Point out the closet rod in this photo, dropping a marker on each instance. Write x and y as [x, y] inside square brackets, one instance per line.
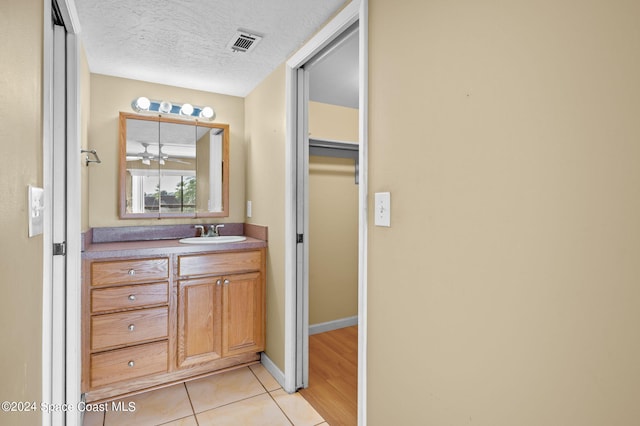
[336, 149]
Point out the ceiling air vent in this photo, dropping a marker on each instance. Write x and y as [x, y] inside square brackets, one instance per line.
[244, 41]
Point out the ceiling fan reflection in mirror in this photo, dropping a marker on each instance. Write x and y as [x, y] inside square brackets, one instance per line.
[146, 157]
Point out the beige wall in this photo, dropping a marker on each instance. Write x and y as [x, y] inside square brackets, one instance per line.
[506, 290]
[333, 239]
[265, 165]
[21, 24]
[109, 96]
[333, 219]
[333, 122]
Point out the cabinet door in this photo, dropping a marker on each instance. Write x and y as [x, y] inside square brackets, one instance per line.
[199, 321]
[243, 314]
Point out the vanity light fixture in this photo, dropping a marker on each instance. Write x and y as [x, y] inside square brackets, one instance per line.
[144, 104]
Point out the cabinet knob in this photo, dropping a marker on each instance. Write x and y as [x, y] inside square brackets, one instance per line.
[132, 327]
[226, 282]
[219, 282]
[131, 272]
[131, 363]
[132, 297]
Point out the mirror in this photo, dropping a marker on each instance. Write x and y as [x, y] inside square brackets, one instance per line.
[173, 168]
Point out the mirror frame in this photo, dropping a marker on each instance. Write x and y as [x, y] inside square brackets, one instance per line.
[122, 196]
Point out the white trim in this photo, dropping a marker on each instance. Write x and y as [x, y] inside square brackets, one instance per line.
[303, 141]
[67, 305]
[290, 329]
[355, 11]
[47, 178]
[300, 167]
[363, 191]
[333, 325]
[272, 368]
[73, 238]
[69, 15]
[58, 215]
[329, 32]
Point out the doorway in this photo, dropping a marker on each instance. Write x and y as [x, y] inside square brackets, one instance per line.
[297, 202]
[332, 119]
[61, 304]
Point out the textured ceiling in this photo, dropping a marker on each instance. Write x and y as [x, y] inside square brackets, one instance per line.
[183, 42]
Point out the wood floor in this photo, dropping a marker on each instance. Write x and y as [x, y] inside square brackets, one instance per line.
[333, 375]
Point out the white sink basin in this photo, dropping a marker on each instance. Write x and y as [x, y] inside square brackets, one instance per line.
[213, 240]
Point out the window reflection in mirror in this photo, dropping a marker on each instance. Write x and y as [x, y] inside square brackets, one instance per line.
[172, 168]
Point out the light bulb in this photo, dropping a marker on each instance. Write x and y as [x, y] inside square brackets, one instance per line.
[187, 109]
[165, 107]
[208, 113]
[141, 104]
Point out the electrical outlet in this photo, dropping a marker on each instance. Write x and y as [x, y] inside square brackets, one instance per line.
[249, 209]
[36, 210]
[382, 209]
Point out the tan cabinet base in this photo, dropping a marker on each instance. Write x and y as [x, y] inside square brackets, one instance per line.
[149, 322]
[157, 381]
[130, 363]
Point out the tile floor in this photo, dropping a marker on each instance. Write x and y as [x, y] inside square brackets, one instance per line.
[247, 396]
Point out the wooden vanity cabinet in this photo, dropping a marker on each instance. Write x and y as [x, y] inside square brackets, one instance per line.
[152, 321]
[221, 312]
[126, 321]
[199, 321]
[242, 314]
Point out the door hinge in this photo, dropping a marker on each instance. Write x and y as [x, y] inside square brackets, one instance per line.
[300, 238]
[60, 249]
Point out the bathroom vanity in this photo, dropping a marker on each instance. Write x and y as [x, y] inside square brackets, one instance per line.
[159, 311]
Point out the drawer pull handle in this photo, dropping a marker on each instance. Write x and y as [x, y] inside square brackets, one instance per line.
[131, 364]
[226, 282]
[218, 282]
[131, 272]
[132, 297]
[132, 327]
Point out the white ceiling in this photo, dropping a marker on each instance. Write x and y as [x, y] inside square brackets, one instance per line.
[183, 42]
[333, 79]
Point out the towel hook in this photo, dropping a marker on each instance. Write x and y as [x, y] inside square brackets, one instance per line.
[88, 160]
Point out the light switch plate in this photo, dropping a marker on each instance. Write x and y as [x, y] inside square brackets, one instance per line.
[249, 209]
[382, 209]
[36, 210]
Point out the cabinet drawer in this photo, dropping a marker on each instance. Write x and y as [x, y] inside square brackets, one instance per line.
[219, 263]
[132, 296]
[129, 271]
[123, 364]
[128, 327]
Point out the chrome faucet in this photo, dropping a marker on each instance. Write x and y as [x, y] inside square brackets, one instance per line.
[201, 228]
[213, 230]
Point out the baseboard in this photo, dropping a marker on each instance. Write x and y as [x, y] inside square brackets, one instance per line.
[333, 325]
[272, 368]
[313, 329]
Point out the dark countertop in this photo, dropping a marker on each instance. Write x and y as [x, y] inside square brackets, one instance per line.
[139, 241]
[163, 247]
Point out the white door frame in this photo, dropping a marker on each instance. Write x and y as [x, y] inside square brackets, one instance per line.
[357, 10]
[61, 302]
